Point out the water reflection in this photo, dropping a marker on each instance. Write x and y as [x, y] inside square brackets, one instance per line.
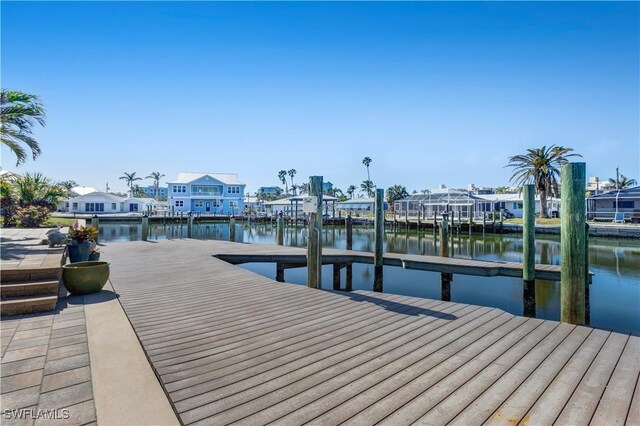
[615, 292]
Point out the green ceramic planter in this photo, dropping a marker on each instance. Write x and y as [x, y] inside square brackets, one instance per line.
[85, 277]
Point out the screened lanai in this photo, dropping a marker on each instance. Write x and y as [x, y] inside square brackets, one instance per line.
[427, 205]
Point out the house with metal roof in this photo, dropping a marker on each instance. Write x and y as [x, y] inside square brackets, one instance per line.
[621, 205]
[206, 193]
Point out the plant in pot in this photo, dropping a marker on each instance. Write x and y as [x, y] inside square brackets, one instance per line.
[82, 237]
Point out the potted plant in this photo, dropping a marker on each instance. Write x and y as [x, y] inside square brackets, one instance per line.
[94, 253]
[85, 277]
[81, 238]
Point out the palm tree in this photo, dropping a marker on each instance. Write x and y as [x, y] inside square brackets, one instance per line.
[19, 113]
[67, 185]
[368, 187]
[366, 161]
[351, 190]
[502, 190]
[156, 176]
[425, 191]
[130, 178]
[282, 175]
[38, 190]
[292, 173]
[137, 191]
[540, 166]
[303, 188]
[622, 182]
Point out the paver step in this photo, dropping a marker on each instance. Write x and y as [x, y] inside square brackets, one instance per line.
[29, 274]
[27, 305]
[29, 288]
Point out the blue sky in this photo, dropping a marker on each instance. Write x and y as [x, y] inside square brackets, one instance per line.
[432, 92]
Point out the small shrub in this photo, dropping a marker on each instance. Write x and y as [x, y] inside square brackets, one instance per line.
[83, 233]
[31, 216]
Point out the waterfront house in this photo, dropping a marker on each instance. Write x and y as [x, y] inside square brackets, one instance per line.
[95, 202]
[358, 207]
[625, 203]
[206, 193]
[514, 203]
[292, 206]
[139, 205]
[150, 191]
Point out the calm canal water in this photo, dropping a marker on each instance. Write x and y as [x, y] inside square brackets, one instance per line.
[615, 292]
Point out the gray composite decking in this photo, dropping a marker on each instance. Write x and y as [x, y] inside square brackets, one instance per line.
[231, 346]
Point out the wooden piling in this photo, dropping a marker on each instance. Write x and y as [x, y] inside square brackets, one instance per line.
[95, 222]
[529, 251]
[445, 277]
[587, 278]
[379, 239]
[573, 243]
[280, 230]
[336, 276]
[279, 272]
[349, 268]
[190, 225]
[145, 227]
[314, 245]
[232, 229]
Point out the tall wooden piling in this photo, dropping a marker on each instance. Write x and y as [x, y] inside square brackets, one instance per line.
[95, 222]
[445, 277]
[232, 229]
[279, 272]
[145, 227]
[349, 268]
[573, 243]
[336, 276]
[280, 230]
[587, 278]
[190, 225]
[379, 239]
[314, 245]
[529, 251]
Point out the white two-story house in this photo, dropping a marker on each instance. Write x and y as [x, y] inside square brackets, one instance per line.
[214, 193]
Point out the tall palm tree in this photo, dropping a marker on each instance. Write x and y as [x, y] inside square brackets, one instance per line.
[540, 166]
[292, 173]
[130, 178]
[502, 190]
[368, 187]
[19, 113]
[67, 185]
[367, 161]
[282, 175]
[622, 182]
[156, 176]
[351, 189]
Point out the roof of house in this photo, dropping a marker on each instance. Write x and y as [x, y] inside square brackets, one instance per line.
[357, 201]
[99, 194]
[509, 197]
[6, 174]
[83, 190]
[288, 201]
[226, 178]
[633, 192]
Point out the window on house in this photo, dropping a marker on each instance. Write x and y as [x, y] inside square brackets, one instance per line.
[75, 206]
[198, 204]
[215, 203]
[623, 204]
[233, 189]
[179, 203]
[94, 207]
[113, 206]
[517, 206]
[233, 204]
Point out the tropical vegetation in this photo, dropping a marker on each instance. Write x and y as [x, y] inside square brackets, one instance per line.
[622, 182]
[130, 178]
[368, 188]
[395, 193]
[541, 167]
[19, 113]
[27, 201]
[292, 173]
[156, 176]
[282, 175]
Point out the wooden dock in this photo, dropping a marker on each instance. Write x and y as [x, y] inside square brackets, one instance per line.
[231, 346]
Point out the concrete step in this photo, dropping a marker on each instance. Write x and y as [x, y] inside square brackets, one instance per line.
[29, 288]
[27, 305]
[28, 274]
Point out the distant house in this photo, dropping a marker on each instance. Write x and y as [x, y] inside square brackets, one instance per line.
[76, 191]
[9, 176]
[357, 206]
[94, 202]
[214, 193]
[327, 186]
[150, 191]
[624, 202]
[514, 204]
[292, 206]
[269, 190]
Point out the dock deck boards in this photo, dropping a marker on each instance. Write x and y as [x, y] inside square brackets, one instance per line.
[231, 346]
